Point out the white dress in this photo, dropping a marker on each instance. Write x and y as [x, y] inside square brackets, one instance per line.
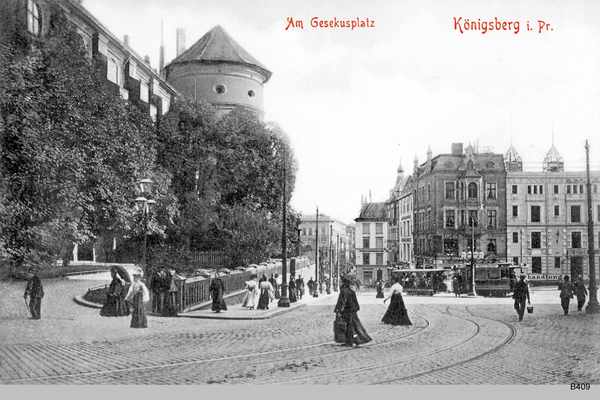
[251, 294]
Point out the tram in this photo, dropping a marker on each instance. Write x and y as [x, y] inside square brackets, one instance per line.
[496, 279]
[424, 282]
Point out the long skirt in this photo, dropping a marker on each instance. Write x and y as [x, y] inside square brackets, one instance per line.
[249, 299]
[292, 295]
[138, 314]
[170, 305]
[218, 303]
[355, 333]
[379, 293]
[396, 313]
[263, 300]
[115, 306]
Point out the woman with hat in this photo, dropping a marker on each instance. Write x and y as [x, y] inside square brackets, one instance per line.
[347, 306]
[216, 289]
[137, 295]
[250, 297]
[115, 305]
[396, 313]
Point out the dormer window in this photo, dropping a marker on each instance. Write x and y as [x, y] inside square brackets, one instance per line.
[34, 18]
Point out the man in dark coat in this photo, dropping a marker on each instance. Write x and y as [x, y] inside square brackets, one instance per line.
[35, 291]
[520, 294]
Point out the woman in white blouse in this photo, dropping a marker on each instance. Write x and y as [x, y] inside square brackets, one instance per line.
[396, 313]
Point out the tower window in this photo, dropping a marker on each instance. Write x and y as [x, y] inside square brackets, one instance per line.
[34, 19]
[251, 93]
[220, 89]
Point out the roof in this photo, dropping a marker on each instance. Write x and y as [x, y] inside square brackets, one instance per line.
[373, 212]
[216, 46]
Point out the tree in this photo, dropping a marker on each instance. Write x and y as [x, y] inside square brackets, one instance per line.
[72, 151]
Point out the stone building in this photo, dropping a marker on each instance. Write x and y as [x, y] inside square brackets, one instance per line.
[372, 243]
[219, 70]
[547, 217]
[459, 206]
[400, 220]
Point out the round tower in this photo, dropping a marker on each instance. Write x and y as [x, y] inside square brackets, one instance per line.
[220, 71]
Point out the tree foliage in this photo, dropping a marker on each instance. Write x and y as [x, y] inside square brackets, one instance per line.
[72, 151]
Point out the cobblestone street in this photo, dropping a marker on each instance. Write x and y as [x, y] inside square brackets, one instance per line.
[452, 341]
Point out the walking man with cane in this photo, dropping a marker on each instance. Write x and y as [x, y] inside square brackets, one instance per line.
[521, 293]
[35, 291]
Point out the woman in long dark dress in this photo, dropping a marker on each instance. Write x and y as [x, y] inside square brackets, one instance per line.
[347, 306]
[266, 294]
[115, 305]
[292, 289]
[379, 290]
[138, 295]
[396, 313]
[216, 289]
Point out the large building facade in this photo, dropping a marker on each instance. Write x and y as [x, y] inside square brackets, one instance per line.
[459, 206]
[547, 218]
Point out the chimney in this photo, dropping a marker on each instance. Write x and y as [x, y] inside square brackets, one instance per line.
[161, 60]
[457, 149]
[126, 40]
[180, 41]
[147, 60]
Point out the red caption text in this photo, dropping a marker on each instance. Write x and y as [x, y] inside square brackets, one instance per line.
[466, 25]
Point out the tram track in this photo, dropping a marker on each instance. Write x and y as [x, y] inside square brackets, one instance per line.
[259, 359]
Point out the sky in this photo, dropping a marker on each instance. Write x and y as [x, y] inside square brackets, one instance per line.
[358, 102]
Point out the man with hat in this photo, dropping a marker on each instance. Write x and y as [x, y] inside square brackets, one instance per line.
[520, 294]
[35, 291]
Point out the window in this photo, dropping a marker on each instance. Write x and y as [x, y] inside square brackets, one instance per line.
[575, 240]
[541, 189]
[536, 240]
[379, 228]
[515, 211]
[490, 189]
[220, 89]
[366, 259]
[472, 188]
[574, 189]
[536, 265]
[461, 190]
[379, 258]
[429, 192]
[556, 211]
[310, 231]
[461, 220]
[491, 247]
[598, 213]
[557, 262]
[449, 190]
[555, 189]
[515, 237]
[595, 190]
[34, 18]
[568, 189]
[449, 218]
[515, 189]
[379, 243]
[575, 213]
[366, 229]
[367, 275]
[365, 242]
[113, 71]
[581, 189]
[535, 214]
[473, 218]
[516, 260]
[528, 189]
[491, 216]
[251, 93]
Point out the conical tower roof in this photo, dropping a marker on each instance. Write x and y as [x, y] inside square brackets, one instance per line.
[512, 155]
[553, 155]
[216, 46]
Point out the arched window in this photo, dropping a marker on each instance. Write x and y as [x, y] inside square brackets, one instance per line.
[472, 188]
[34, 18]
[113, 71]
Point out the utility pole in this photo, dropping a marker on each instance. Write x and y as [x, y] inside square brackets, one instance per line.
[316, 284]
[593, 307]
[284, 301]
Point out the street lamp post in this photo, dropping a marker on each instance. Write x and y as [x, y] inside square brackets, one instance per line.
[316, 284]
[472, 291]
[593, 307]
[145, 206]
[284, 301]
[330, 258]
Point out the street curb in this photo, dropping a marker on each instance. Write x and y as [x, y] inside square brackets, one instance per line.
[272, 314]
[79, 300]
